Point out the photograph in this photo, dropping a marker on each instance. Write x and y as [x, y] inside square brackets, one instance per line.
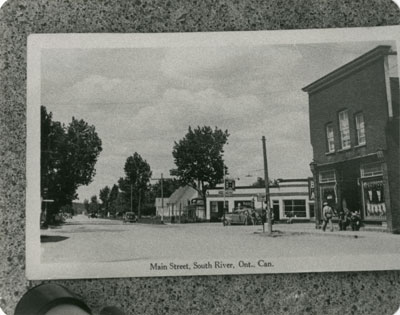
[183, 154]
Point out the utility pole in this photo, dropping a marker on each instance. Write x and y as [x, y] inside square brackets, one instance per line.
[266, 179]
[224, 192]
[162, 199]
[131, 199]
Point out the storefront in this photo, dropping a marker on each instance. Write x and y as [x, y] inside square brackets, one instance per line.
[288, 199]
[355, 185]
[373, 193]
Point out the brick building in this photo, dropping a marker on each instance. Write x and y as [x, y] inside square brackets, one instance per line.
[354, 129]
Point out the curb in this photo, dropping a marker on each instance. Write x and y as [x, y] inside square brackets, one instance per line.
[279, 233]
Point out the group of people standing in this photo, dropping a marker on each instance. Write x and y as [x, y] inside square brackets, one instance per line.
[345, 216]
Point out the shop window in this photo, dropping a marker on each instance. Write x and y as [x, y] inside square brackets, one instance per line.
[372, 169]
[374, 199]
[360, 129]
[344, 129]
[330, 138]
[243, 204]
[327, 176]
[295, 208]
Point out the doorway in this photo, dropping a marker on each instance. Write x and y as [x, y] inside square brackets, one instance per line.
[349, 188]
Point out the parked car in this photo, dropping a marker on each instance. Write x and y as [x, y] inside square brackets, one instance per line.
[130, 217]
[244, 216]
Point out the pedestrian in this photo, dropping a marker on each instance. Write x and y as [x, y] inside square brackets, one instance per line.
[355, 220]
[327, 214]
[344, 219]
[253, 217]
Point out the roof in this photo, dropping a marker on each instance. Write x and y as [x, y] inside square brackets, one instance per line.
[178, 194]
[280, 181]
[348, 68]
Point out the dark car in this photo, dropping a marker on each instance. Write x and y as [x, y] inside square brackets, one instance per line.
[130, 217]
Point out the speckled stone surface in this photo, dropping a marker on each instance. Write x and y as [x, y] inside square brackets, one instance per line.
[324, 293]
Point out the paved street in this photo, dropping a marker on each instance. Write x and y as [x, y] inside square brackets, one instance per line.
[102, 240]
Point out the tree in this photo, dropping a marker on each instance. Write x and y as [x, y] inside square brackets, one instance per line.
[68, 156]
[112, 199]
[94, 204]
[104, 196]
[169, 186]
[136, 180]
[86, 205]
[199, 158]
[260, 183]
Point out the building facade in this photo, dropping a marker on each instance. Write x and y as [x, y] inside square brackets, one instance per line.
[290, 198]
[179, 201]
[354, 129]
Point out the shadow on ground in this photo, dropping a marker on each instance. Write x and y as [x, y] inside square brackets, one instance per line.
[52, 238]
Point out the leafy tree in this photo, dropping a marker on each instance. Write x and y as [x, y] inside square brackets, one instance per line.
[169, 186]
[121, 203]
[260, 183]
[136, 181]
[199, 158]
[86, 205]
[94, 204]
[68, 156]
[104, 196]
[112, 199]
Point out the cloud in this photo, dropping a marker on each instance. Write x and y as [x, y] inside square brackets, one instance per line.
[103, 91]
[177, 109]
[233, 69]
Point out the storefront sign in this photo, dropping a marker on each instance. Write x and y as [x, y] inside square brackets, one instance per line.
[311, 188]
[229, 184]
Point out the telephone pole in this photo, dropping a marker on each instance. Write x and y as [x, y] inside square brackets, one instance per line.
[131, 199]
[162, 199]
[266, 179]
[224, 192]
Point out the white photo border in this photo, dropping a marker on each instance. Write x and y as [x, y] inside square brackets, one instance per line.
[36, 270]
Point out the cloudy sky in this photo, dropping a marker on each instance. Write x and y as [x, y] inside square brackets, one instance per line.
[143, 99]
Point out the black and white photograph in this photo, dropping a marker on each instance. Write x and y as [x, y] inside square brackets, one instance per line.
[181, 154]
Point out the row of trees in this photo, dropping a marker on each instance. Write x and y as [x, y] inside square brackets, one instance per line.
[133, 192]
[69, 154]
[199, 163]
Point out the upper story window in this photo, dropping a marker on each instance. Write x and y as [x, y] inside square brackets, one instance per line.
[330, 138]
[371, 169]
[360, 128]
[327, 176]
[344, 129]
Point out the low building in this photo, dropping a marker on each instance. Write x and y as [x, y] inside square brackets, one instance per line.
[289, 198]
[179, 201]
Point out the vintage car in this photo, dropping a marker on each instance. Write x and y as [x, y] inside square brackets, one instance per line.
[244, 216]
[130, 217]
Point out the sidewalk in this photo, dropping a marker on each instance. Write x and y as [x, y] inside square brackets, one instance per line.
[309, 228]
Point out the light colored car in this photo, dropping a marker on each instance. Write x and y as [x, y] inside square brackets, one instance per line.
[243, 216]
[237, 216]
